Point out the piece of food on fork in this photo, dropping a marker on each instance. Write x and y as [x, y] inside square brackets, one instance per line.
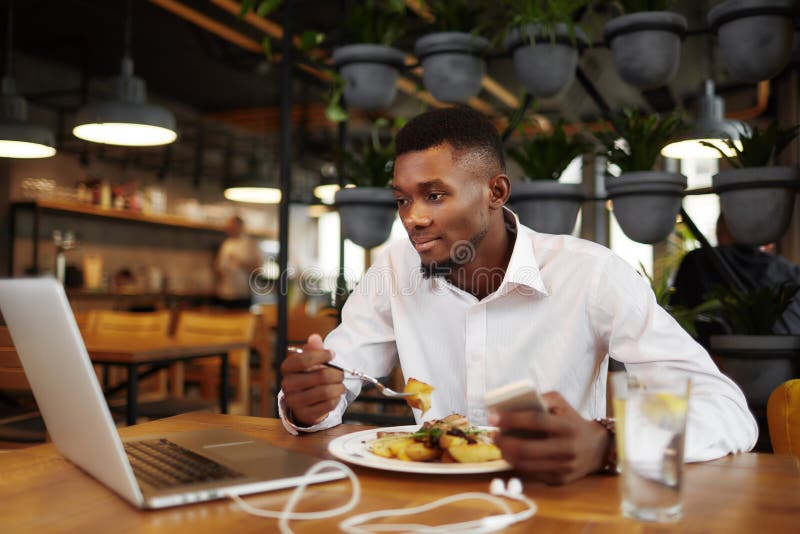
[421, 398]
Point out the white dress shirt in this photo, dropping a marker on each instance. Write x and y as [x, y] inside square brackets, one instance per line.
[564, 306]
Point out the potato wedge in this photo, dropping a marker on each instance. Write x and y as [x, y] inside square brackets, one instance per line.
[399, 445]
[422, 394]
[419, 452]
[387, 447]
[448, 440]
[469, 453]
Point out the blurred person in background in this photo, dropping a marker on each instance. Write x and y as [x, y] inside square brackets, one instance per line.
[236, 260]
[756, 266]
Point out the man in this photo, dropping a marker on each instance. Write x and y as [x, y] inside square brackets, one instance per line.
[237, 258]
[475, 301]
[698, 275]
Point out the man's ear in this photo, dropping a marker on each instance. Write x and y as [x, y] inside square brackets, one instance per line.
[499, 190]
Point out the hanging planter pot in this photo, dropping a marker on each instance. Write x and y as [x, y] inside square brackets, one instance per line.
[758, 365]
[367, 214]
[370, 74]
[646, 46]
[452, 64]
[646, 203]
[547, 67]
[547, 206]
[757, 202]
[754, 36]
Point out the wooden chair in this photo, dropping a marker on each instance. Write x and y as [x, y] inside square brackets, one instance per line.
[21, 421]
[370, 407]
[299, 327]
[222, 327]
[135, 325]
[262, 375]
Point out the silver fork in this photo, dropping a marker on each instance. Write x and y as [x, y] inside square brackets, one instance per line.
[386, 392]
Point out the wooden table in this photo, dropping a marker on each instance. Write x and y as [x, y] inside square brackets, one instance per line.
[40, 492]
[134, 353]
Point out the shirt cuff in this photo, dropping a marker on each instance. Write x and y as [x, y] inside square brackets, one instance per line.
[333, 419]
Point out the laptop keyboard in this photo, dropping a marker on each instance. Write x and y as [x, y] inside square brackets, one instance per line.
[164, 464]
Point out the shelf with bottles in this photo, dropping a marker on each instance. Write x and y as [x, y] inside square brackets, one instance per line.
[43, 207]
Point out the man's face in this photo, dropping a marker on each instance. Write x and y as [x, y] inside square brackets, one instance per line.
[443, 205]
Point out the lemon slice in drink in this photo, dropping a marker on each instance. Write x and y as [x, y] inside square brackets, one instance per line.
[665, 409]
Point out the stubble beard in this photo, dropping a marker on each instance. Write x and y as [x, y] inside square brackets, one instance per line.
[450, 265]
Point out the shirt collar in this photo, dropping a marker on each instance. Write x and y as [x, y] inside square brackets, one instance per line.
[523, 269]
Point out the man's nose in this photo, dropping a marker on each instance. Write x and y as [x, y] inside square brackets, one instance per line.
[415, 217]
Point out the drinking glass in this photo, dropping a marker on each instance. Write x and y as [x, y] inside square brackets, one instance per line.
[650, 410]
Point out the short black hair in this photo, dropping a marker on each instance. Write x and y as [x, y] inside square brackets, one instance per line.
[461, 127]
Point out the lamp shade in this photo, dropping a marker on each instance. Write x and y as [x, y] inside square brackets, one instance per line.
[710, 127]
[127, 120]
[255, 187]
[18, 138]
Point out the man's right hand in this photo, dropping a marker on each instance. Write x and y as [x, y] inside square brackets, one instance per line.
[311, 390]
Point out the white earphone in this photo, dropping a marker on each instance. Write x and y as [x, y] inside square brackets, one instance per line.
[355, 524]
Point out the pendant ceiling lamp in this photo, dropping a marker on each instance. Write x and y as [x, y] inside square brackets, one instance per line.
[255, 188]
[328, 185]
[710, 127]
[18, 138]
[128, 120]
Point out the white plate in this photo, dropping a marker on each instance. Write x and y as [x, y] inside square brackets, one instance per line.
[354, 448]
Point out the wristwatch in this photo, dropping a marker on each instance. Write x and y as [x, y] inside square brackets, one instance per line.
[610, 465]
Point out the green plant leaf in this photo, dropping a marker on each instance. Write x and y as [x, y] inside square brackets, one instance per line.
[635, 140]
[758, 147]
[375, 21]
[266, 45]
[370, 162]
[456, 15]
[754, 312]
[545, 156]
[246, 6]
[267, 6]
[309, 39]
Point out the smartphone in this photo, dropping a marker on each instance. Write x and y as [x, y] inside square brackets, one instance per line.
[520, 395]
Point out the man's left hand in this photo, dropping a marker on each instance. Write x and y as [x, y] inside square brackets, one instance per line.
[555, 447]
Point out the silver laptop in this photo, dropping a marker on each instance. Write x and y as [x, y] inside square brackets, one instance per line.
[151, 472]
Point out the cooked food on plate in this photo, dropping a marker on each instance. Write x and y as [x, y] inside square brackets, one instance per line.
[422, 394]
[448, 440]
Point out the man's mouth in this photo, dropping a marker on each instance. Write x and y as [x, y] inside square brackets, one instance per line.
[424, 244]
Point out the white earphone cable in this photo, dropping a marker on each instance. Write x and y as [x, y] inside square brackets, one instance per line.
[355, 524]
[287, 514]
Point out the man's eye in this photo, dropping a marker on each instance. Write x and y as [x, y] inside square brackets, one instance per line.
[435, 196]
[400, 201]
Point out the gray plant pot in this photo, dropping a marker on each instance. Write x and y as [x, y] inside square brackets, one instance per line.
[646, 46]
[370, 74]
[757, 202]
[547, 206]
[367, 214]
[547, 67]
[452, 64]
[754, 36]
[758, 364]
[646, 203]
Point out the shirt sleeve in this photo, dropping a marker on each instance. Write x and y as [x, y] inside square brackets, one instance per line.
[365, 340]
[642, 335]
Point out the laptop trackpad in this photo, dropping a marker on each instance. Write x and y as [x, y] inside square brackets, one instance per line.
[245, 453]
[242, 451]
